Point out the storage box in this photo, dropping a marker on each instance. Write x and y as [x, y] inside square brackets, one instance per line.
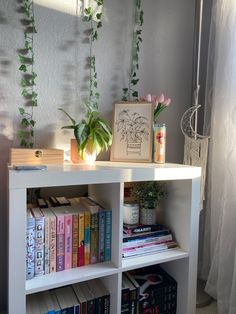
[36, 156]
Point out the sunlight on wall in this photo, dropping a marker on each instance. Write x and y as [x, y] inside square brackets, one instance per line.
[68, 6]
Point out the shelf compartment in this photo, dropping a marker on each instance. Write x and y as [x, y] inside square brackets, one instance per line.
[70, 276]
[151, 259]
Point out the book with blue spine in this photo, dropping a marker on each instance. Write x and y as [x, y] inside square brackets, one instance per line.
[101, 236]
[108, 235]
[30, 245]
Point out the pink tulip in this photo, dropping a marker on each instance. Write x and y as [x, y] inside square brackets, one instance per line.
[149, 97]
[167, 102]
[161, 98]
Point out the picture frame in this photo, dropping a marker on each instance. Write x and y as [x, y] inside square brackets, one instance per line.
[132, 132]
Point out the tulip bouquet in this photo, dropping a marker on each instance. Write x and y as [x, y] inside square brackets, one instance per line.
[159, 103]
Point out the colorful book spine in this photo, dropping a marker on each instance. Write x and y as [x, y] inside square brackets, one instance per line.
[75, 240]
[53, 244]
[108, 235]
[47, 246]
[30, 245]
[101, 236]
[68, 240]
[39, 241]
[81, 239]
[136, 229]
[127, 238]
[87, 219]
[155, 240]
[60, 243]
[94, 239]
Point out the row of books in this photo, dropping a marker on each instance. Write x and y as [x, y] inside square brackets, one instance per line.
[82, 298]
[143, 239]
[66, 236]
[148, 290]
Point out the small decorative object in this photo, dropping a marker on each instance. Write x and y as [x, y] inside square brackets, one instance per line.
[132, 132]
[93, 135]
[131, 213]
[196, 145]
[148, 194]
[159, 143]
[159, 104]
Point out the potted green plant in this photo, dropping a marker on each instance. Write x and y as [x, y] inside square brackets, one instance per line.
[149, 195]
[93, 134]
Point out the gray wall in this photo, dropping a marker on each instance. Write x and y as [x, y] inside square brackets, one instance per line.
[165, 66]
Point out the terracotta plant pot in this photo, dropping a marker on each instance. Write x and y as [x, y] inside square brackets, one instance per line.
[89, 158]
[74, 156]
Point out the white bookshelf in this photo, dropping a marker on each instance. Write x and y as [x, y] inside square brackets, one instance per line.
[105, 182]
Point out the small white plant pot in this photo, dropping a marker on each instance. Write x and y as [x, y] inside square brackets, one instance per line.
[148, 216]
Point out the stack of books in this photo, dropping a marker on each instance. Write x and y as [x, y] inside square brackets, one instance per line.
[144, 239]
[148, 290]
[90, 297]
[60, 236]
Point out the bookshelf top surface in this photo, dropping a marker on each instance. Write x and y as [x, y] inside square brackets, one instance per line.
[101, 172]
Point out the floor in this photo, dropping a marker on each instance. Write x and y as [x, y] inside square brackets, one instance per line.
[210, 309]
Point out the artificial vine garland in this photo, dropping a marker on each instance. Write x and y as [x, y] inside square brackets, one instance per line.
[27, 124]
[131, 91]
[91, 15]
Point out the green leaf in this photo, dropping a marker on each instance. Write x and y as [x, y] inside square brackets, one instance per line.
[21, 133]
[22, 111]
[24, 83]
[88, 11]
[25, 122]
[68, 127]
[23, 68]
[134, 82]
[72, 120]
[24, 92]
[135, 94]
[99, 24]
[125, 90]
[99, 16]
[23, 143]
[34, 95]
[32, 122]
[81, 132]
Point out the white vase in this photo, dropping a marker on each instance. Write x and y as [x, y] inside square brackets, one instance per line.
[148, 216]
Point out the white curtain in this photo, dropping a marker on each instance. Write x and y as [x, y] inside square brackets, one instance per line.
[219, 257]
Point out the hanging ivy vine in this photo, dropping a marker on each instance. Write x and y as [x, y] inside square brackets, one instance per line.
[130, 92]
[95, 19]
[26, 58]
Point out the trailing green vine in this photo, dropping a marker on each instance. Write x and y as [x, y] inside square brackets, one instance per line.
[26, 58]
[130, 92]
[91, 16]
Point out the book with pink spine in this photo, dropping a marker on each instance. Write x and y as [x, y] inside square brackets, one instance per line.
[68, 239]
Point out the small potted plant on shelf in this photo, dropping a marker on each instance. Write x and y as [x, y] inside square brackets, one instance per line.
[149, 195]
[93, 135]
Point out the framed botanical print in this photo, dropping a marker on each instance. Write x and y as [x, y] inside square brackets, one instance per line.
[132, 132]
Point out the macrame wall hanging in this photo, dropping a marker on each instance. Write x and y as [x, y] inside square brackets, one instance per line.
[196, 145]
